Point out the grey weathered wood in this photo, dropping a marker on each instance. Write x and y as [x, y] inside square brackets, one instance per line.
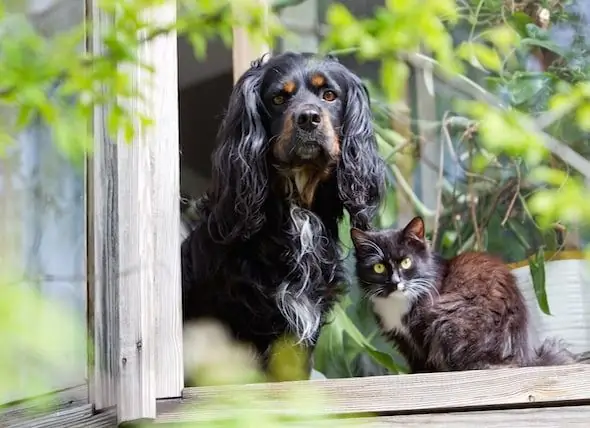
[409, 393]
[170, 412]
[136, 287]
[103, 246]
[165, 184]
[70, 398]
[550, 417]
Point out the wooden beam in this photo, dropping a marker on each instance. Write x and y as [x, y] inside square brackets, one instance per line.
[136, 313]
[136, 398]
[419, 393]
[19, 413]
[244, 51]
[102, 246]
[165, 185]
[548, 417]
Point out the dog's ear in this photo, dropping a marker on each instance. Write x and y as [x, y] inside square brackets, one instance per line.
[361, 171]
[239, 171]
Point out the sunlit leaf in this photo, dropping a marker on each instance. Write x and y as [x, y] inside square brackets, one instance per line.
[537, 270]
[583, 117]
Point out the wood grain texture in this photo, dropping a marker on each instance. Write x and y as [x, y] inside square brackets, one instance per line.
[165, 154]
[103, 246]
[136, 235]
[244, 51]
[44, 406]
[409, 393]
[135, 250]
[549, 417]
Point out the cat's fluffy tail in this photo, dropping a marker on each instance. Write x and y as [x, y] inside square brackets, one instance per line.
[552, 352]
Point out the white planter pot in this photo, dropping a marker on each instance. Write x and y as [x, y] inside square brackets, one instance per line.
[567, 283]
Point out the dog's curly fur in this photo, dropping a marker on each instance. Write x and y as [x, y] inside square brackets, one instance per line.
[295, 149]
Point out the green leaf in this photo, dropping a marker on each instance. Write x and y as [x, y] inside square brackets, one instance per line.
[344, 235]
[519, 21]
[344, 325]
[523, 88]
[394, 75]
[542, 44]
[583, 117]
[537, 269]
[388, 212]
[536, 32]
[475, 53]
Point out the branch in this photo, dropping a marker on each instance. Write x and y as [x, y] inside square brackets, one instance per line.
[469, 87]
[477, 92]
[276, 7]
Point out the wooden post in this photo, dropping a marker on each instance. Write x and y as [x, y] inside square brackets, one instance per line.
[136, 319]
[103, 247]
[244, 51]
[430, 141]
[165, 185]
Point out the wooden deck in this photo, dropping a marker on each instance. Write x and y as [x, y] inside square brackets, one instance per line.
[527, 397]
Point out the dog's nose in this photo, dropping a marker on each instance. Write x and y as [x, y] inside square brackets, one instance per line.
[308, 118]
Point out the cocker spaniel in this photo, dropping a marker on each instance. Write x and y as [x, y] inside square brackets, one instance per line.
[295, 149]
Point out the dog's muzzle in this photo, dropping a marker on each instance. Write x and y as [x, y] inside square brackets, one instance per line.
[309, 138]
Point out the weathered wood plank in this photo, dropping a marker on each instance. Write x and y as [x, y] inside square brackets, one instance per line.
[409, 393]
[548, 417]
[42, 406]
[136, 292]
[103, 245]
[168, 413]
[165, 184]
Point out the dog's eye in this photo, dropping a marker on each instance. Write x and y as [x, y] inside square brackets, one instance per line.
[278, 100]
[329, 96]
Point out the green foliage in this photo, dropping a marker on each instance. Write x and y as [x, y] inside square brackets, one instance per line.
[401, 26]
[52, 79]
[520, 146]
[516, 143]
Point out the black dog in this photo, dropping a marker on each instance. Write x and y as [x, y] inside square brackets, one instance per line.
[295, 148]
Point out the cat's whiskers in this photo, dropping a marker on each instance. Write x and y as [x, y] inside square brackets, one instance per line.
[420, 286]
[375, 290]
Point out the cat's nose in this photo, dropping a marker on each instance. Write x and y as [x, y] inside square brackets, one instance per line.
[395, 278]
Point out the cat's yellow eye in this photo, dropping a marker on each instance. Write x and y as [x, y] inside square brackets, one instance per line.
[406, 263]
[379, 268]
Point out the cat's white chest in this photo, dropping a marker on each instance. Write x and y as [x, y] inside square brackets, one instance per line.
[391, 310]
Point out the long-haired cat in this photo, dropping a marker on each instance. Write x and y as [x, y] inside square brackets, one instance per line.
[465, 313]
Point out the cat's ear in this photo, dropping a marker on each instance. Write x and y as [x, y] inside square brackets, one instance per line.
[357, 236]
[415, 228]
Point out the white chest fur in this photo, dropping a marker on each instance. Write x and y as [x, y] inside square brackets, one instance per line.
[391, 310]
